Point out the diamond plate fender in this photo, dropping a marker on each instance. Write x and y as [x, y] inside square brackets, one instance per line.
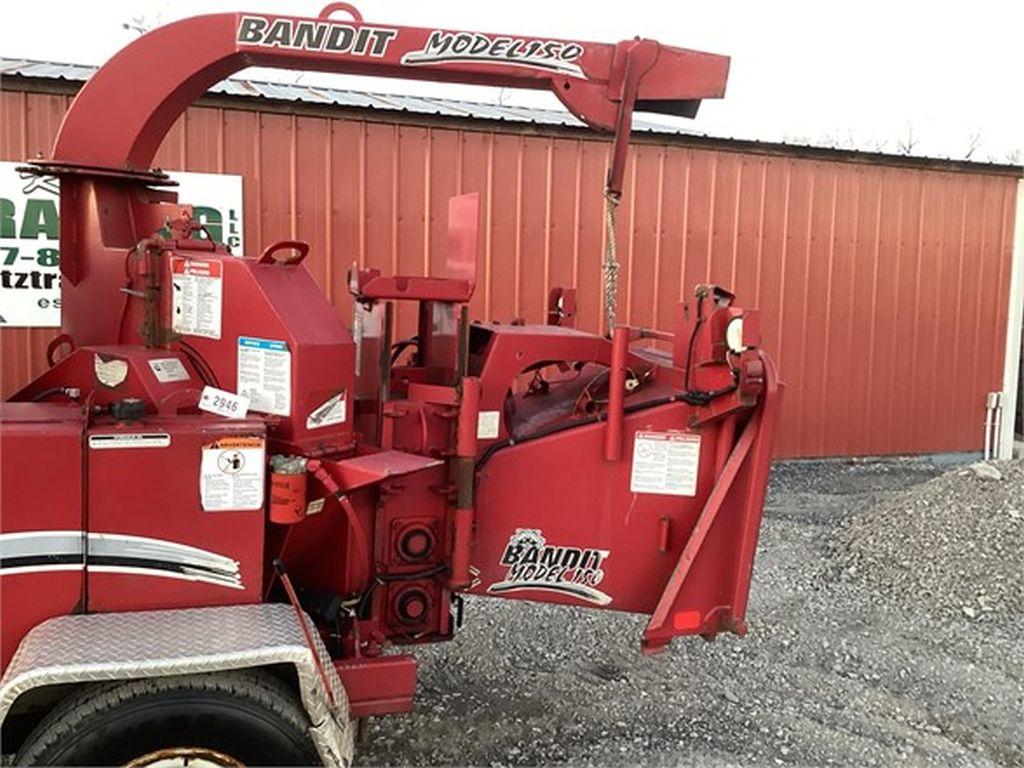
[121, 646]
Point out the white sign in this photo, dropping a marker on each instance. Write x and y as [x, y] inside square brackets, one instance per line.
[666, 463]
[30, 236]
[223, 403]
[231, 474]
[168, 370]
[197, 296]
[130, 440]
[216, 201]
[265, 375]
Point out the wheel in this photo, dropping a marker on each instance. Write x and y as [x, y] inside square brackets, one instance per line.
[222, 719]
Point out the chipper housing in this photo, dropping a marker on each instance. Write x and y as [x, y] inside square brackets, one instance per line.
[210, 435]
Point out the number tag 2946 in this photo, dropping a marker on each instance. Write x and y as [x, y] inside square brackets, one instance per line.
[223, 403]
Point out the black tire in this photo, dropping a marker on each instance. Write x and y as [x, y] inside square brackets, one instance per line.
[248, 717]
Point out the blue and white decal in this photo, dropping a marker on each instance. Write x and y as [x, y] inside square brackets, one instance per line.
[265, 375]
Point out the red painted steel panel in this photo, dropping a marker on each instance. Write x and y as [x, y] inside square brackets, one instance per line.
[312, 209]
[669, 243]
[203, 141]
[419, 248]
[531, 299]
[641, 225]
[276, 176]
[474, 177]
[502, 266]
[347, 227]
[241, 157]
[882, 288]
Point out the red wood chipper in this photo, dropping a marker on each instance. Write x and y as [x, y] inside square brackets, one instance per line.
[223, 509]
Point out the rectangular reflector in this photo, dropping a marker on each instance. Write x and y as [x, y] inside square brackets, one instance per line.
[684, 620]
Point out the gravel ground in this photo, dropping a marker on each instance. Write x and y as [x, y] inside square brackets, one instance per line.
[842, 666]
[958, 547]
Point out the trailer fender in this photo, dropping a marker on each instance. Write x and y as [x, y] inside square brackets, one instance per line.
[91, 648]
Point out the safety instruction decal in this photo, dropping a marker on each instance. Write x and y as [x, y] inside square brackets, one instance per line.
[197, 290]
[168, 370]
[332, 411]
[231, 474]
[488, 425]
[265, 375]
[666, 463]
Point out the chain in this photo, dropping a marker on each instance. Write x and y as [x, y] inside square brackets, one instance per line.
[610, 267]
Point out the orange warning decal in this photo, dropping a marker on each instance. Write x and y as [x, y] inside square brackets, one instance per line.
[237, 442]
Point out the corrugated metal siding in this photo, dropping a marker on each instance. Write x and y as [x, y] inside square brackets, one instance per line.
[340, 97]
[883, 289]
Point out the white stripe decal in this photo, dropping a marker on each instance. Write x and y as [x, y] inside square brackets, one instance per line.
[153, 557]
[187, 575]
[123, 545]
[40, 568]
[29, 543]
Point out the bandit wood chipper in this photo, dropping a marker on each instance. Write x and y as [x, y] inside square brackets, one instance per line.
[225, 512]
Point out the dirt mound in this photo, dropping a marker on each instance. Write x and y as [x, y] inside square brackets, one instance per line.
[953, 545]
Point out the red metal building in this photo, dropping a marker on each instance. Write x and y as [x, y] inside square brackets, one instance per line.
[885, 281]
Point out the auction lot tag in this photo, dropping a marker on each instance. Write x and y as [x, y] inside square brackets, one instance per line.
[223, 403]
[665, 462]
[231, 474]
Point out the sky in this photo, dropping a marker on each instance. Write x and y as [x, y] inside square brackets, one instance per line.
[943, 79]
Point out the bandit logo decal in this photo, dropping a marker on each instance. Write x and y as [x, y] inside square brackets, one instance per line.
[461, 47]
[308, 35]
[534, 564]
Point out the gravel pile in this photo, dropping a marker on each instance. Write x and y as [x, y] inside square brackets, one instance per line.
[953, 545]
